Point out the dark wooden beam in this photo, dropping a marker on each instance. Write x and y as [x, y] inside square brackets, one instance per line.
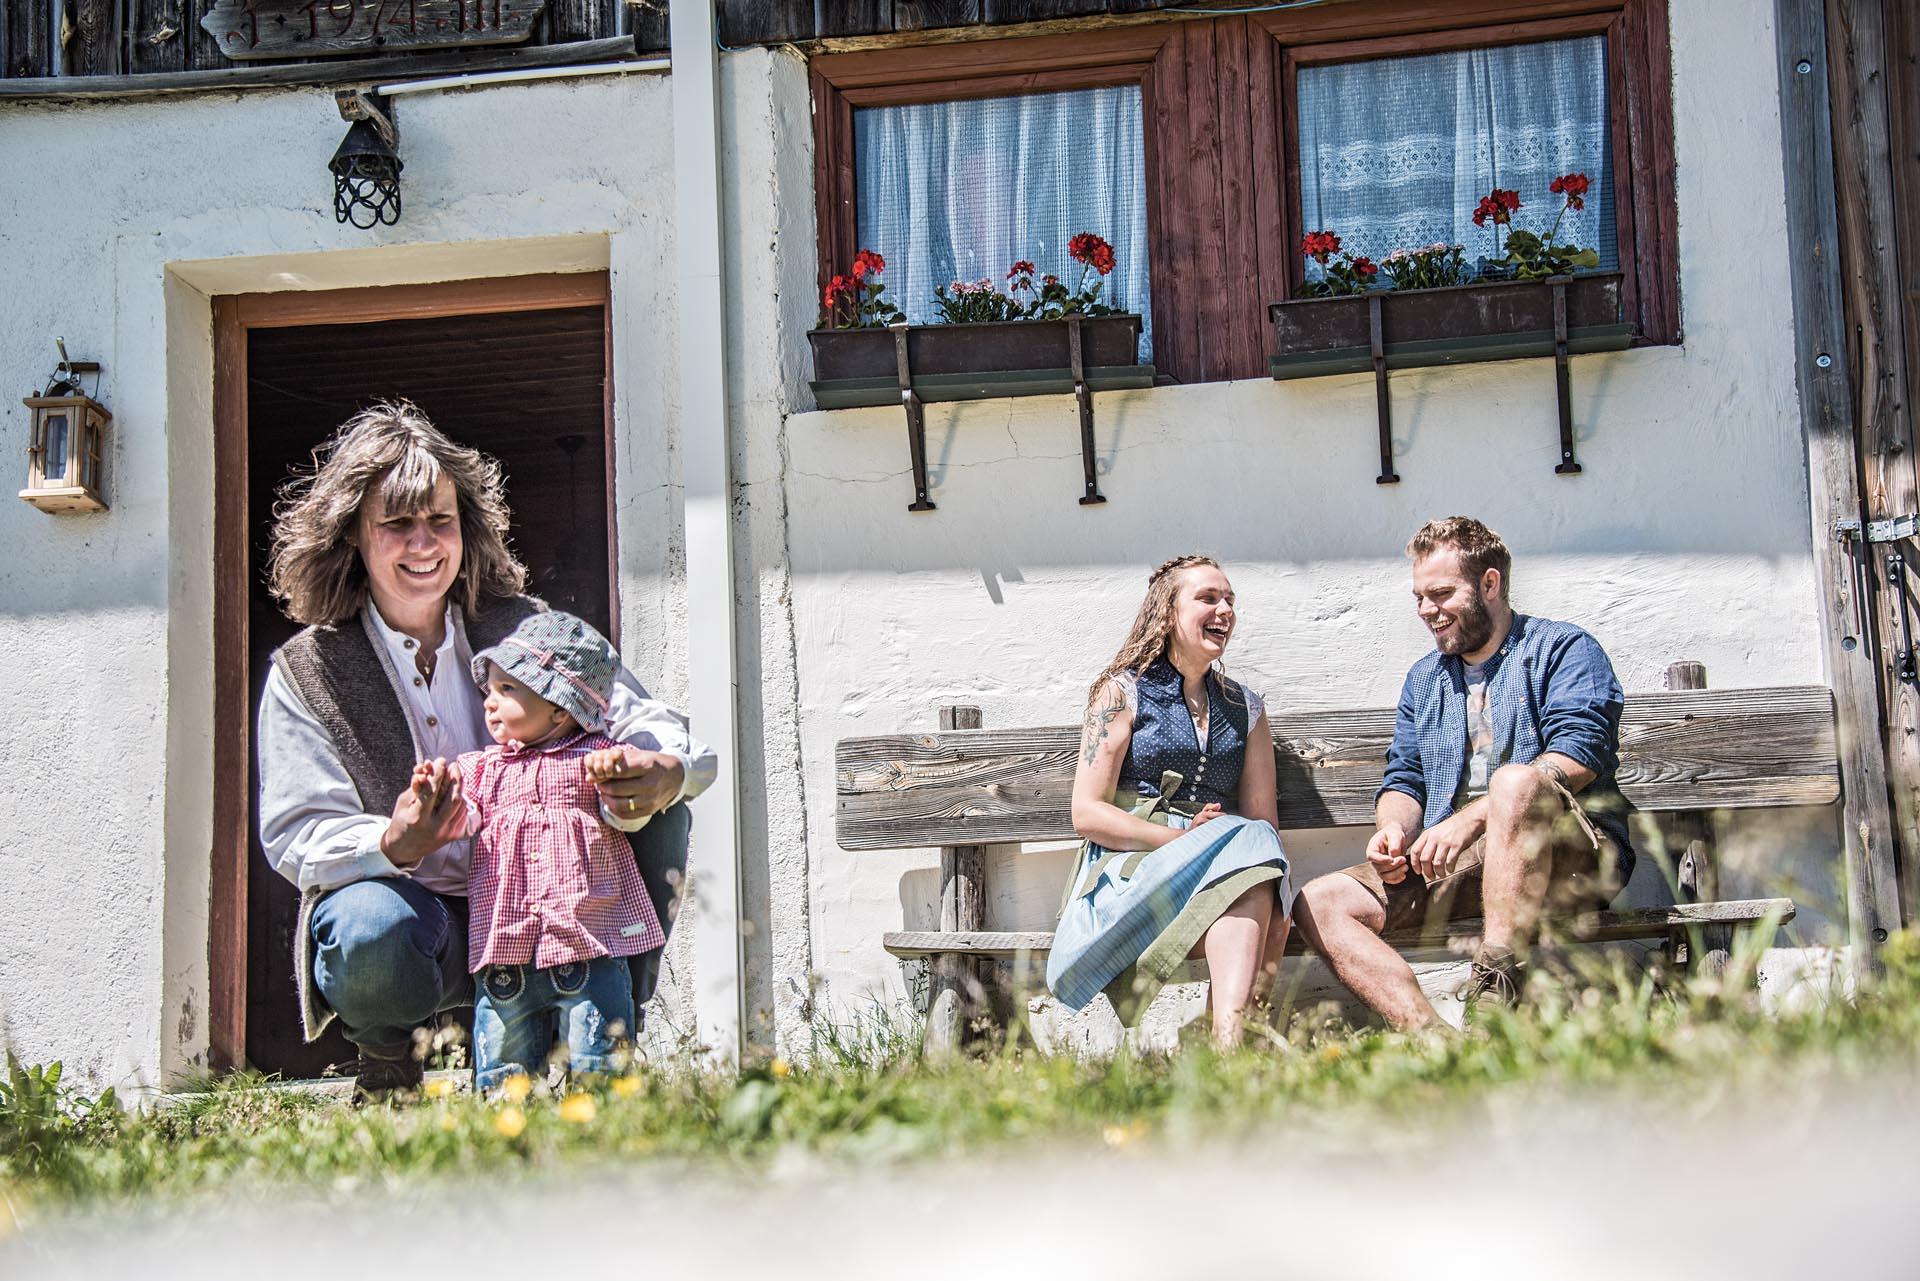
[852, 17]
[1826, 412]
[355, 71]
[158, 36]
[29, 46]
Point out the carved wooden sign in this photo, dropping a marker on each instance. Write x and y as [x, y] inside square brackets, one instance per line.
[248, 29]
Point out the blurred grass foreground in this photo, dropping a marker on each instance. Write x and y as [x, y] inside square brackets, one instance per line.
[866, 1094]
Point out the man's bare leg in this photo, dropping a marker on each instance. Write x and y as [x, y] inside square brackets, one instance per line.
[1522, 809]
[1343, 921]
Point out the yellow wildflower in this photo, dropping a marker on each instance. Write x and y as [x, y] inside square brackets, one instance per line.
[580, 1109]
[438, 1088]
[510, 1121]
[627, 1086]
[517, 1087]
[447, 1122]
[780, 1068]
[1331, 1052]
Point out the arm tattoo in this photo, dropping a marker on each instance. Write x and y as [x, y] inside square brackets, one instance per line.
[1098, 718]
[1552, 771]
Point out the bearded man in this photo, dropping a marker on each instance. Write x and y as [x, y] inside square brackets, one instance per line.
[1499, 798]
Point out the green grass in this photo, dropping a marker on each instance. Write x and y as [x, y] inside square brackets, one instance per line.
[869, 1095]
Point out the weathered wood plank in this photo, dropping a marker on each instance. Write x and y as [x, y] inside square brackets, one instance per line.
[1591, 927]
[157, 36]
[227, 79]
[963, 884]
[745, 22]
[1679, 750]
[258, 29]
[1000, 11]
[95, 47]
[29, 42]
[925, 15]
[1878, 243]
[647, 22]
[854, 17]
[1833, 466]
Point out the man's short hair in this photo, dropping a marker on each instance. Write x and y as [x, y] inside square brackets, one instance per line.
[1480, 548]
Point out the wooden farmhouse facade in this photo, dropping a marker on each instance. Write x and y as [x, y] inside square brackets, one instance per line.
[598, 239]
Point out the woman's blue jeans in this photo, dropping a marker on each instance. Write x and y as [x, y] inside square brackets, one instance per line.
[516, 1009]
[389, 955]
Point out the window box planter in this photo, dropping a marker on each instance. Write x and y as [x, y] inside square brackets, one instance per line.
[1463, 324]
[914, 365]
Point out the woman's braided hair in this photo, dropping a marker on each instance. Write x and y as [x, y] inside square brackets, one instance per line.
[1153, 626]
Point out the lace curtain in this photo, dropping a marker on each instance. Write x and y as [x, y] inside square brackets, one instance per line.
[1395, 153]
[950, 191]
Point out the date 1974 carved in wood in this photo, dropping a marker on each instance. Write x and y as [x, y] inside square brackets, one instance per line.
[249, 29]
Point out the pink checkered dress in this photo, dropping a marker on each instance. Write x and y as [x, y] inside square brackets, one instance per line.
[550, 882]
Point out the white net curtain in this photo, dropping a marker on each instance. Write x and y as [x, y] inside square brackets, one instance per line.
[951, 191]
[1395, 153]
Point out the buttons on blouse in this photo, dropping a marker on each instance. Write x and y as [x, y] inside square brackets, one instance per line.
[419, 680]
[432, 721]
[407, 643]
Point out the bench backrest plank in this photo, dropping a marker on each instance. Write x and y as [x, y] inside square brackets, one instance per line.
[1679, 750]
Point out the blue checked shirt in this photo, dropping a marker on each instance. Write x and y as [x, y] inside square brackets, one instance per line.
[1550, 688]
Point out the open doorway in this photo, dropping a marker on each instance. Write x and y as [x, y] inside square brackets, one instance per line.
[517, 368]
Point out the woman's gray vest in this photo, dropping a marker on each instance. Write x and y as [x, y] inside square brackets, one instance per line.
[346, 678]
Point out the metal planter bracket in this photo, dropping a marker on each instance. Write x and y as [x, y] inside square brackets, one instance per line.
[1383, 399]
[916, 421]
[1084, 397]
[1563, 379]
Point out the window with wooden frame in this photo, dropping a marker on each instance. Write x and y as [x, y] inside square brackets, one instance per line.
[1222, 112]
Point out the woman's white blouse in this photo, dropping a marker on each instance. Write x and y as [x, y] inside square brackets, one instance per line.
[312, 826]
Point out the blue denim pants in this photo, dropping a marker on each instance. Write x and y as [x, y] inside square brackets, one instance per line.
[516, 1009]
[389, 954]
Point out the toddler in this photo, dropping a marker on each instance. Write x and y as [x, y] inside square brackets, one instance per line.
[557, 904]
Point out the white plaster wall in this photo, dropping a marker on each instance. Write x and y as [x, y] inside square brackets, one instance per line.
[1685, 537]
[104, 824]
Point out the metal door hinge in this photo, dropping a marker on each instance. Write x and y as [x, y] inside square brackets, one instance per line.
[1891, 530]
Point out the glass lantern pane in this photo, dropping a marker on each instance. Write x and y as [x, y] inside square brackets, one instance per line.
[53, 455]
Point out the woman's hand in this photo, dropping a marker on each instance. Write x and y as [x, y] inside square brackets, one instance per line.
[427, 815]
[1207, 814]
[633, 782]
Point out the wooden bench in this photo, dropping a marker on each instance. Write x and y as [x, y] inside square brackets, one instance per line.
[1684, 752]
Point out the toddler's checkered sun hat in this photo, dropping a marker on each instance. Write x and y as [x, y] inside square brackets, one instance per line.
[562, 659]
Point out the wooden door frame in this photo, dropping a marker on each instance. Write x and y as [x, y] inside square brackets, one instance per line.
[234, 316]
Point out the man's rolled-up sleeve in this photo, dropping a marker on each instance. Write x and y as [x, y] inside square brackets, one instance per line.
[1404, 772]
[638, 719]
[1580, 707]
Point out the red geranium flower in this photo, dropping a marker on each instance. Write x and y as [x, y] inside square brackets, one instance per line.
[1498, 205]
[1021, 268]
[837, 288]
[1365, 267]
[868, 263]
[1573, 186]
[1319, 245]
[1092, 250]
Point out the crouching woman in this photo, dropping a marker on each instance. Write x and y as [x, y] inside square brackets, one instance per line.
[1173, 798]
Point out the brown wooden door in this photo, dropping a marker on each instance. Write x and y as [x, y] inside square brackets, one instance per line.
[516, 368]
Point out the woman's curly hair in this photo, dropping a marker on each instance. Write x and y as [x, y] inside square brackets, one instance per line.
[315, 569]
[1153, 626]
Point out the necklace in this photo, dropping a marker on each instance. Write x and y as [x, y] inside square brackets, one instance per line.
[424, 660]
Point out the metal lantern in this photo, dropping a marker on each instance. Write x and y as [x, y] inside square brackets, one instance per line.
[366, 166]
[67, 452]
